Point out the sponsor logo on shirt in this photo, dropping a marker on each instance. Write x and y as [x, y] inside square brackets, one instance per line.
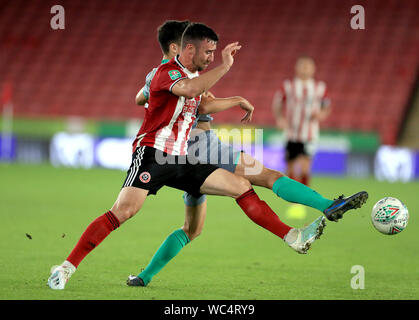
[174, 74]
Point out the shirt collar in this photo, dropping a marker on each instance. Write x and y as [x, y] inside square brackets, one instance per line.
[190, 74]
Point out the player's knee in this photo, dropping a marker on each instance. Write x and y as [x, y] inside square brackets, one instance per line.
[192, 234]
[242, 185]
[271, 177]
[124, 211]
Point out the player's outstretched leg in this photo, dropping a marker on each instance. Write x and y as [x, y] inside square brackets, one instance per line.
[259, 212]
[195, 213]
[301, 239]
[166, 252]
[60, 275]
[224, 183]
[336, 210]
[293, 191]
[94, 234]
[129, 202]
[284, 187]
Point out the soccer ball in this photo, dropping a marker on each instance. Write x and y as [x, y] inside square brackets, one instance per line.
[389, 216]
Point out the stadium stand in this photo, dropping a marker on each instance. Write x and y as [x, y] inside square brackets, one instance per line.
[95, 66]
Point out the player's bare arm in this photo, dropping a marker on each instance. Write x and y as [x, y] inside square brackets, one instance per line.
[208, 95]
[281, 123]
[322, 114]
[276, 104]
[191, 88]
[213, 105]
[325, 112]
[140, 98]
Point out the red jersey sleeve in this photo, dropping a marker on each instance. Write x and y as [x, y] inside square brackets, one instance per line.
[167, 76]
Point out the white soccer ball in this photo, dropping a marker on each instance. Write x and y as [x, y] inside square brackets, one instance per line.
[389, 216]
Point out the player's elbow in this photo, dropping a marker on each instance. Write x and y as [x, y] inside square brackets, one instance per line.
[187, 88]
[140, 100]
[191, 92]
[204, 109]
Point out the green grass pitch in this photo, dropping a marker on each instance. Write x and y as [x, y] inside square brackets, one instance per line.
[232, 259]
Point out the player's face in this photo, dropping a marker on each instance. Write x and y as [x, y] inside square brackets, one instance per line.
[305, 68]
[204, 54]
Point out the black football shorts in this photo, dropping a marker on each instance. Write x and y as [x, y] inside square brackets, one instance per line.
[151, 169]
[295, 149]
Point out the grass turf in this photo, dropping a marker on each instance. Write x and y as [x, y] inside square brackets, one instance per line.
[232, 259]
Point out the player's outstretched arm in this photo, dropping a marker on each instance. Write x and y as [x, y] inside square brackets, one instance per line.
[213, 105]
[140, 98]
[191, 88]
[277, 103]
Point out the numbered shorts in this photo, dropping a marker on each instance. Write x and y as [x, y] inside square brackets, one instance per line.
[151, 169]
[207, 148]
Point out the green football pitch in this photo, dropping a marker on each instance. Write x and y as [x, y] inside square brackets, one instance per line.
[44, 210]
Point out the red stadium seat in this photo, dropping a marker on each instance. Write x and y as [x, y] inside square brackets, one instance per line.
[96, 65]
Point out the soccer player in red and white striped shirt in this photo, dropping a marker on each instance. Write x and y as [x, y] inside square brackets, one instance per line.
[175, 98]
[299, 105]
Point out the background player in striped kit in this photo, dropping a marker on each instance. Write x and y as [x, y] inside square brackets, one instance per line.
[195, 208]
[299, 105]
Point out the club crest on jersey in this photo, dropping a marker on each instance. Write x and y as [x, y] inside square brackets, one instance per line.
[174, 74]
[145, 177]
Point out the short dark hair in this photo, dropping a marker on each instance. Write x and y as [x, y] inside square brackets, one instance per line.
[198, 32]
[170, 32]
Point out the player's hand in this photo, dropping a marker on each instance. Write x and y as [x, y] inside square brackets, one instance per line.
[228, 52]
[315, 115]
[247, 106]
[208, 95]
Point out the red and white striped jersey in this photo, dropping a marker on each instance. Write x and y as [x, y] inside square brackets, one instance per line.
[168, 118]
[301, 99]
